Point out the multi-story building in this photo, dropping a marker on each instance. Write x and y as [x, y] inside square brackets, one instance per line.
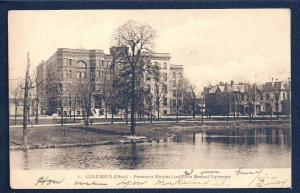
[175, 90]
[245, 98]
[276, 97]
[67, 68]
[233, 99]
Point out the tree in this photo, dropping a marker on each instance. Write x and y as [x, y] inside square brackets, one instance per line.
[276, 99]
[85, 98]
[36, 86]
[16, 95]
[106, 90]
[160, 89]
[193, 101]
[25, 103]
[137, 38]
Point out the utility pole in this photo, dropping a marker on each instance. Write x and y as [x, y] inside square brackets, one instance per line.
[25, 104]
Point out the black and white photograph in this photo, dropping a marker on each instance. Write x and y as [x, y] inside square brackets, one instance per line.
[161, 98]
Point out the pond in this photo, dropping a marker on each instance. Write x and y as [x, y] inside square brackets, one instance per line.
[233, 148]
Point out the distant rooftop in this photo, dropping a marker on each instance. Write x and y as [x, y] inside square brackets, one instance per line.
[158, 55]
[79, 50]
[176, 66]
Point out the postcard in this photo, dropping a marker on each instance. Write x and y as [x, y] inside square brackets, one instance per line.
[164, 98]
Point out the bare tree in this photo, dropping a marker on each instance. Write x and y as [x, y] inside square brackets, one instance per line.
[160, 90]
[137, 38]
[25, 103]
[194, 101]
[85, 98]
[36, 86]
[16, 95]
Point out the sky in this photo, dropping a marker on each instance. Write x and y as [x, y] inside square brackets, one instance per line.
[243, 45]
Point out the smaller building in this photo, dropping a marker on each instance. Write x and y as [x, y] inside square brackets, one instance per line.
[276, 97]
[244, 98]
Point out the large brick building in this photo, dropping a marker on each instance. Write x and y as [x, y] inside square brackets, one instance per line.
[63, 72]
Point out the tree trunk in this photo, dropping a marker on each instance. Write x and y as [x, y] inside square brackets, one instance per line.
[112, 115]
[25, 113]
[202, 116]
[158, 109]
[194, 107]
[37, 113]
[151, 114]
[62, 115]
[277, 108]
[105, 109]
[74, 118]
[16, 112]
[126, 115]
[132, 113]
[74, 110]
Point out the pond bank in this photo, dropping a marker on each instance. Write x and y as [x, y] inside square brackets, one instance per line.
[75, 136]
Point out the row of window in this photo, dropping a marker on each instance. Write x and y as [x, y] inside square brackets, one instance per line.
[70, 62]
[164, 66]
[81, 74]
[164, 101]
[179, 75]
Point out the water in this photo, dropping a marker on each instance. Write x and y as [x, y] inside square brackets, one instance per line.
[251, 148]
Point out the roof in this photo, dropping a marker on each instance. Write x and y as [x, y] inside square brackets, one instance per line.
[275, 86]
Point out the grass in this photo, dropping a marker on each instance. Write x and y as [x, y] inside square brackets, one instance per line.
[98, 133]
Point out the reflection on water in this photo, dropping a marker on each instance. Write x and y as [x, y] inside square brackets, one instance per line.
[226, 148]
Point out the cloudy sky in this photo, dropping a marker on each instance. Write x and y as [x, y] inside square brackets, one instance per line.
[212, 45]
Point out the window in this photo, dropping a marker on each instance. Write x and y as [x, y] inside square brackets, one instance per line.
[60, 62]
[174, 93]
[92, 74]
[64, 74]
[165, 112]
[66, 61]
[83, 75]
[165, 76]
[93, 63]
[267, 96]
[98, 73]
[70, 62]
[78, 112]
[283, 96]
[174, 75]
[70, 73]
[165, 101]
[97, 87]
[174, 83]
[102, 62]
[180, 74]
[165, 65]
[78, 75]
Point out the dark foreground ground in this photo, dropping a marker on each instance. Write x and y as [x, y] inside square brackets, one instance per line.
[76, 134]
